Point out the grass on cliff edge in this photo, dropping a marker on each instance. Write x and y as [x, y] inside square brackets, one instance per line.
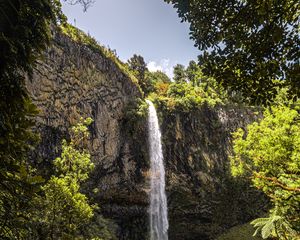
[79, 36]
[241, 232]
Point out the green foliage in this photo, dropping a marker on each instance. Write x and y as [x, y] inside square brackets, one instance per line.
[63, 211]
[274, 225]
[157, 82]
[135, 112]
[75, 162]
[269, 155]
[138, 67]
[266, 226]
[24, 34]
[194, 73]
[158, 77]
[246, 45]
[179, 73]
[187, 95]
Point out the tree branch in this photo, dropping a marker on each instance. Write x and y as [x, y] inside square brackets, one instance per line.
[276, 182]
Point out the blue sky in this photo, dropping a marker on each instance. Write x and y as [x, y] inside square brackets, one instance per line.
[150, 28]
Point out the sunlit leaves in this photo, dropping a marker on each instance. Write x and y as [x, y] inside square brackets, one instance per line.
[63, 208]
[268, 152]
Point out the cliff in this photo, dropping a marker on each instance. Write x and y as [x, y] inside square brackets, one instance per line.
[73, 80]
[203, 199]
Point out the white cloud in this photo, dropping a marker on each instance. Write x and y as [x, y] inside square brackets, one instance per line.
[163, 65]
[153, 66]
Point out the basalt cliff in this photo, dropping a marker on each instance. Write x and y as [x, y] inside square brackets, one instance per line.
[73, 81]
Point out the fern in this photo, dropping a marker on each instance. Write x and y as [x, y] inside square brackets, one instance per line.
[263, 226]
[274, 226]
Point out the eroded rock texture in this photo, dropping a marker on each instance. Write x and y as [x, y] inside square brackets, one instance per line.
[72, 81]
[204, 200]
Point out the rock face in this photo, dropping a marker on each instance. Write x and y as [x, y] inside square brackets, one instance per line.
[203, 200]
[73, 81]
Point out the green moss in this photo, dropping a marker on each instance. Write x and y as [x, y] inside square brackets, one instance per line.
[242, 232]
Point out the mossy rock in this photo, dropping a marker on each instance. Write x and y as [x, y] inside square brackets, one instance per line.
[241, 232]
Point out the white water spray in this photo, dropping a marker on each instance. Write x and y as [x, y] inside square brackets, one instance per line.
[158, 201]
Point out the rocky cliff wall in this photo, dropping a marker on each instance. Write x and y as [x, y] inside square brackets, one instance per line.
[73, 81]
[203, 199]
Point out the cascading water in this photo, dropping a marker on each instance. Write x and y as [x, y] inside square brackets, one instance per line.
[158, 201]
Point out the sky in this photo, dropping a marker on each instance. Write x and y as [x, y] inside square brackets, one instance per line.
[150, 28]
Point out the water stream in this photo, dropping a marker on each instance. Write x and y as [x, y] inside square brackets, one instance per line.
[158, 201]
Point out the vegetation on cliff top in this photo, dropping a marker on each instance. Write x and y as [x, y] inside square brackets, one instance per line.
[186, 95]
[189, 90]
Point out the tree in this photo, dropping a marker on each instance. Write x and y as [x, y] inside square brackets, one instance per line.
[62, 210]
[247, 45]
[24, 33]
[85, 3]
[179, 73]
[158, 76]
[195, 75]
[157, 82]
[192, 73]
[269, 155]
[138, 66]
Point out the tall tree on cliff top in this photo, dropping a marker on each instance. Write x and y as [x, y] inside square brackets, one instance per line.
[179, 73]
[138, 66]
[247, 45]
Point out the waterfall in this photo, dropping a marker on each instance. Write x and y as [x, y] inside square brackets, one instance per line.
[158, 202]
